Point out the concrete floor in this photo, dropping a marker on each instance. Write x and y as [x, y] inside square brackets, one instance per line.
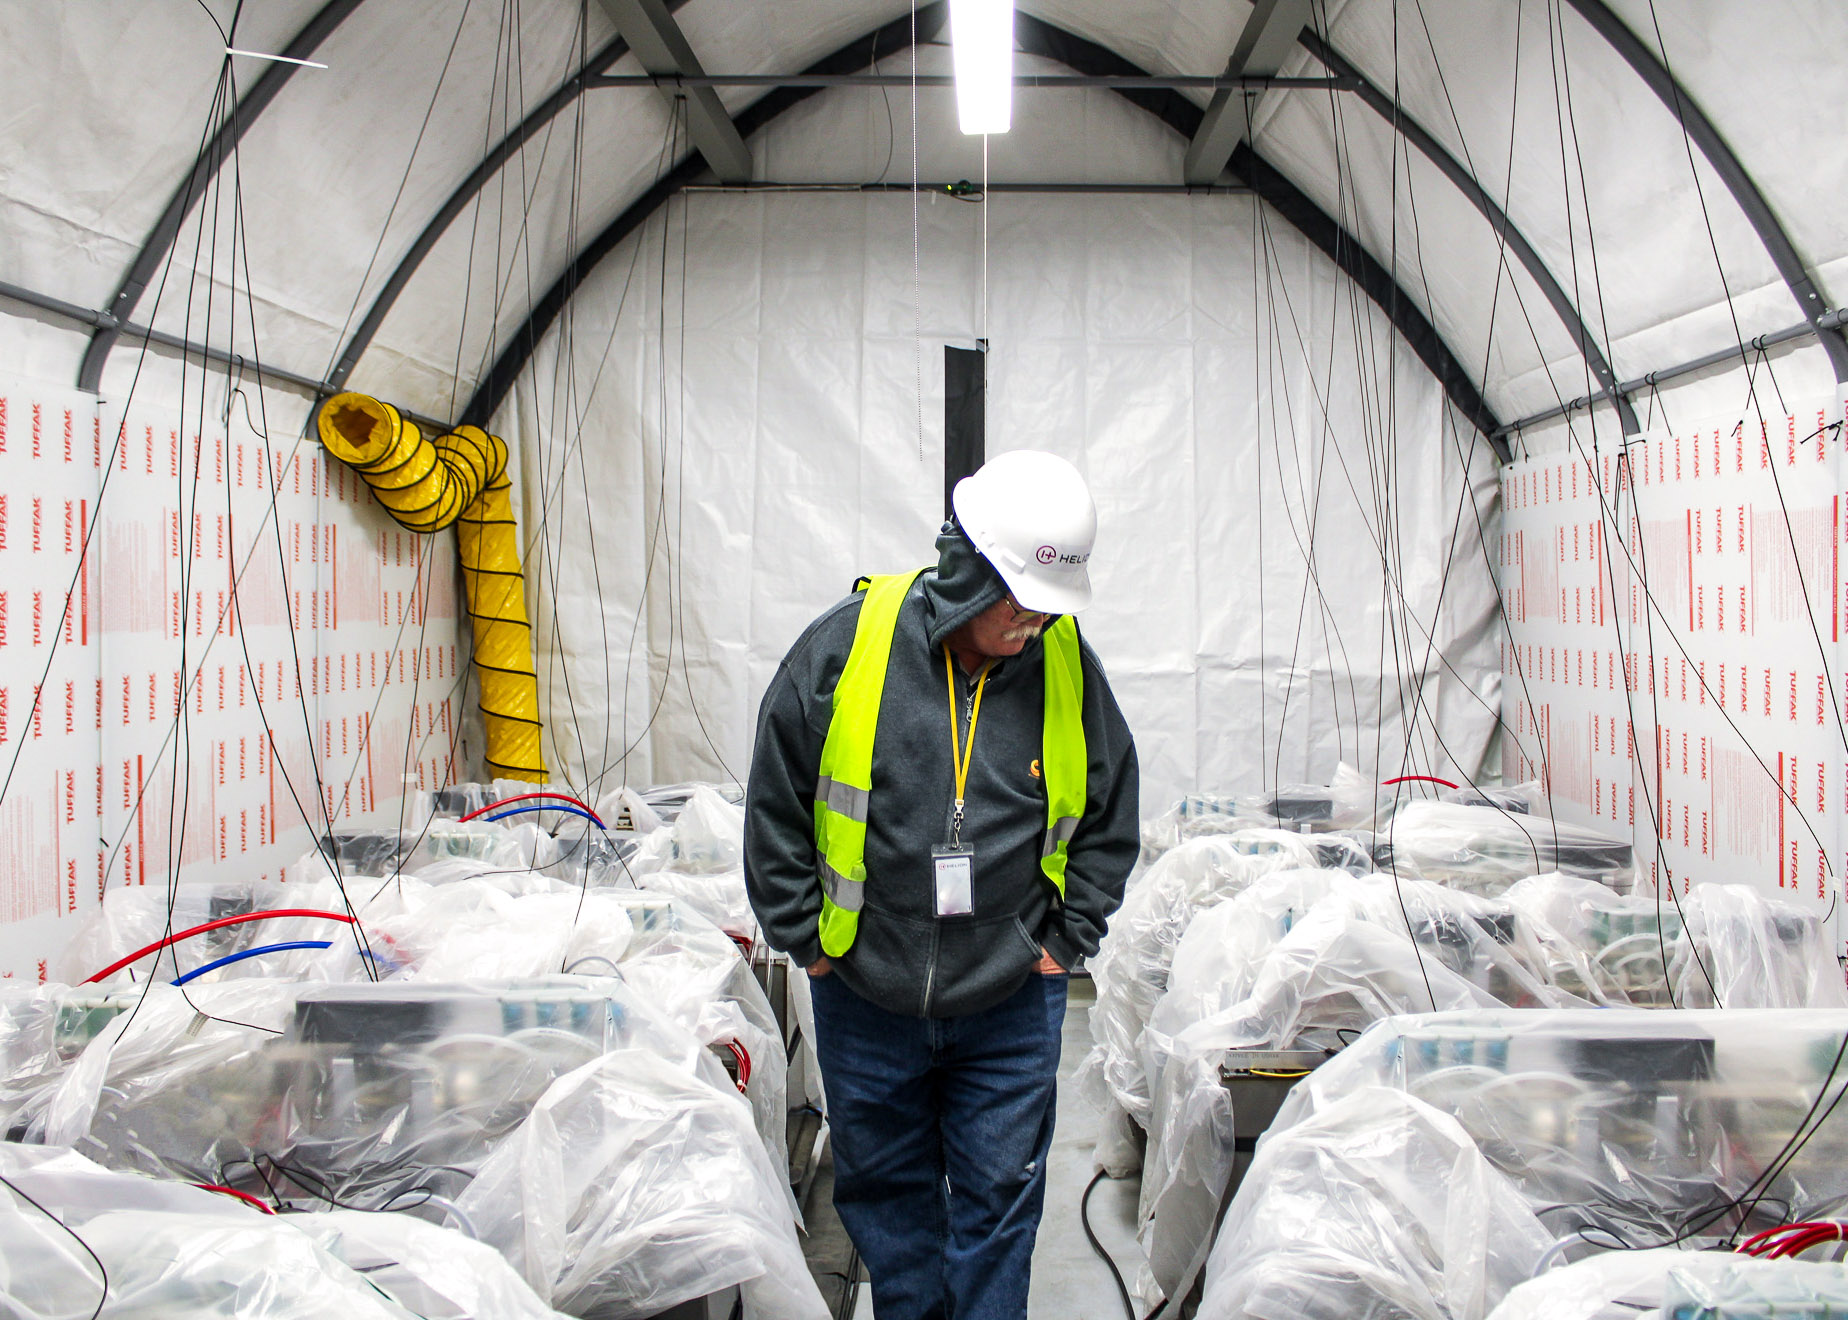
[1069, 1281]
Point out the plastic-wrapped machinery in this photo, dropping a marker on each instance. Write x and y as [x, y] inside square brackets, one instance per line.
[172, 1250]
[1673, 1284]
[1378, 1208]
[1485, 849]
[373, 1094]
[1333, 969]
[1646, 1124]
[1131, 969]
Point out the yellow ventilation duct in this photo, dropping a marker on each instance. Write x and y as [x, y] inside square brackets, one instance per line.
[460, 478]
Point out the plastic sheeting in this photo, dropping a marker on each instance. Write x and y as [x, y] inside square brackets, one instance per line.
[1378, 1208]
[477, 924]
[173, 1250]
[1366, 949]
[1716, 944]
[634, 1188]
[1485, 849]
[1131, 968]
[1670, 1284]
[370, 1093]
[1429, 1168]
[1348, 802]
[1644, 1122]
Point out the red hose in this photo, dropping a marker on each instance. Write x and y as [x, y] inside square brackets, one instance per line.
[528, 797]
[219, 924]
[1424, 779]
[232, 1191]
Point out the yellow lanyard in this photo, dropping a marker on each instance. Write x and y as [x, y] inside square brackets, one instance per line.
[960, 756]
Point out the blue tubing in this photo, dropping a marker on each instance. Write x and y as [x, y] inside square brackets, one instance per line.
[569, 811]
[242, 954]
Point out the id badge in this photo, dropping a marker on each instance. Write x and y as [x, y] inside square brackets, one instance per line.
[955, 875]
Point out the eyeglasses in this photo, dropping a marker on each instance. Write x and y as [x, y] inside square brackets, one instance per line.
[1017, 607]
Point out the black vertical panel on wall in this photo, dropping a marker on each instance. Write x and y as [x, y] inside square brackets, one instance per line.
[965, 400]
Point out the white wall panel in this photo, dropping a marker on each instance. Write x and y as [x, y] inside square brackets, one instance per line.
[1676, 669]
[251, 650]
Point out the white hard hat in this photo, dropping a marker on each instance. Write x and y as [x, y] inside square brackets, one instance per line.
[1031, 516]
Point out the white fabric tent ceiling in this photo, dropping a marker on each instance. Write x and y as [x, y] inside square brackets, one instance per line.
[346, 166]
[348, 163]
[405, 212]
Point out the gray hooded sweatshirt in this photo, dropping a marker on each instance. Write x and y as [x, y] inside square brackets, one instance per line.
[906, 958]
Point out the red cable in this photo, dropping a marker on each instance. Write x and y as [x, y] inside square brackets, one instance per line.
[743, 1057]
[528, 797]
[1791, 1239]
[743, 942]
[1426, 779]
[232, 1191]
[219, 924]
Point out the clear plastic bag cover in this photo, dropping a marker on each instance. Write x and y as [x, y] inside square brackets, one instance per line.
[1347, 963]
[1741, 949]
[1600, 945]
[1641, 1120]
[133, 918]
[633, 1188]
[1677, 1284]
[718, 896]
[1485, 850]
[30, 1057]
[1350, 802]
[515, 925]
[704, 837]
[176, 1084]
[1526, 798]
[1131, 968]
[170, 1251]
[1378, 1208]
[626, 810]
[437, 1273]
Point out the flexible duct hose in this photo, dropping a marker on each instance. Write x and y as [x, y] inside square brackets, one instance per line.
[461, 479]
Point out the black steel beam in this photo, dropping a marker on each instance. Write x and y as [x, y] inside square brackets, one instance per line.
[265, 372]
[1268, 37]
[1811, 302]
[663, 50]
[1041, 38]
[1199, 82]
[1734, 354]
[160, 239]
[465, 192]
[519, 348]
[1034, 37]
[1453, 169]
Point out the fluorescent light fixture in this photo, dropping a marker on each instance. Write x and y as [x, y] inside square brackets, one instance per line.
[982, 47]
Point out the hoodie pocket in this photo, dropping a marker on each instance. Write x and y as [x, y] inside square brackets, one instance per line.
[979, 963]
[890, 961]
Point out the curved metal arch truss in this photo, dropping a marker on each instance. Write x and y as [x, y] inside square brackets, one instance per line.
[1035, 37]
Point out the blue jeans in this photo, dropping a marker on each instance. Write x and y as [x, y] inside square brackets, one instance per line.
[940, 1129]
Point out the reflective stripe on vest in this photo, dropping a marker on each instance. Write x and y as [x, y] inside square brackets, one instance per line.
[843, 790]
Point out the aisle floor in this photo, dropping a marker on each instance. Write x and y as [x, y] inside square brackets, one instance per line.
[1069, 1281]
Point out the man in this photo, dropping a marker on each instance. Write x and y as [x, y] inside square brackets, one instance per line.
[941, 814]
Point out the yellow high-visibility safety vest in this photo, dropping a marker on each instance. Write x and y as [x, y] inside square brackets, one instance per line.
[845, 786]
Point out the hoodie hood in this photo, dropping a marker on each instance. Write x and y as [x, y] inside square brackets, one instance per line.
[963, 586]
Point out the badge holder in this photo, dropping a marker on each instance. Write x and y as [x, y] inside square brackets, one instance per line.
[954, 869]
